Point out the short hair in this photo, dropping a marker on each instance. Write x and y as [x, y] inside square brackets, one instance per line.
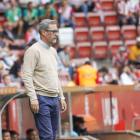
[29, 131]
[44, 24]
[104, 69]
[29, 4]
[4, 131]
[13, 133]
[6, 76]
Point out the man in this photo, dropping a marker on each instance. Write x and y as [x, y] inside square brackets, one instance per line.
[121, 58]
[7, 81]
[48, 12]
[134, 55]
[41, 81]
[86, 75]
[79, 5]
[79, 127]
[126, 12]
[30, 134]
[6, 135]
[30, 15]
[66, 15]
[65, 58]
[14, 135]
[14, 15]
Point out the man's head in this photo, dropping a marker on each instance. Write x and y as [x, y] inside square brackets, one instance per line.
[7, 79]
[14, 135]
[65, 125]
[66, 49]
[87, 61]
[122, 50]
[31, 134]
[48, 31]
[65, 2]
[138, 42]
[13, 3]
[47, 5]
[79, 122]
[126, 0]
[104, 71]
[30, 6]
[6, 135]
[9, 26]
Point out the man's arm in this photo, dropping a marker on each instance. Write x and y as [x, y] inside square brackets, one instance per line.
[30, 61]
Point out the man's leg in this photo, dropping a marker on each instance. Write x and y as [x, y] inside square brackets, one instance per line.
[61, 21]
[72, 23]
[43, 118]
[84, 8]
[20, 27]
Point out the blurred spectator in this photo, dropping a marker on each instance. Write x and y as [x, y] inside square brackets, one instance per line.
[134, 55]
[127, 77]
[1, 72]
[94, 5]
[30, 134]
[86, 75]
[72, 83]
[36, 33]
[30, 15]
[7, 81]
[79, 127]
[48, 12]
[14, 135]
[8, 31]
[108, 78]
[126, 11]
[5, 52]
[9, 39]
[64, 56]
[120, 58]
[6, 135]
[15, 71]
[29, 35]
[66, 129]
[66, 15]
[14, 15]
[79, 5]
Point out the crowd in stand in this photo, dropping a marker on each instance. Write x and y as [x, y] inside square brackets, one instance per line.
[20, 31]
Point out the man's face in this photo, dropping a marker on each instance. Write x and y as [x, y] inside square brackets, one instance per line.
[50, 36]
[65, 2]
[7, 80]
[10, 26]
[32, 135]
[6, 136]
[66, 126]
[67, 50]
[14, 137]
[13, 2]
[30, 6]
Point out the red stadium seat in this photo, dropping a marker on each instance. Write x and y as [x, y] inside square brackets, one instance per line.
[138, 29]
[128, 44]
[100, 49]
[2, 21]
[114, 47]
[72, 51]
[80, 19]
[97, 34]
[107, 5]
[113, 33]
[110, 18]
[84, 49]
[64, 77]
[129, 32]
[93, 19]
[81, 34]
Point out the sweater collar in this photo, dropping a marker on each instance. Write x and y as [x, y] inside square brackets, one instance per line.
[43, 44]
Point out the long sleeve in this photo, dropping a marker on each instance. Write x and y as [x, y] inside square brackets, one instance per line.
[30, 61]
[60, 94]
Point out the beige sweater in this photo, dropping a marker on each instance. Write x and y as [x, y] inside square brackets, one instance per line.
[40, 72]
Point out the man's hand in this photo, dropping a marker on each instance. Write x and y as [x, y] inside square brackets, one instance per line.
[63, 105]
[35, 106]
